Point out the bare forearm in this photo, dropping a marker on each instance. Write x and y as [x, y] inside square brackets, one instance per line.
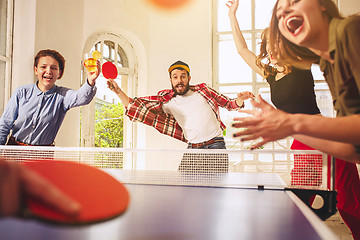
[344, 151]
[237, 34]
[123, 97]
[121, 94]
[341, 129]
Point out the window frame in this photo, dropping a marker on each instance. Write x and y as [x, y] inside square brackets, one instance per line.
[129, 85]
[7, 58]
[256, 85]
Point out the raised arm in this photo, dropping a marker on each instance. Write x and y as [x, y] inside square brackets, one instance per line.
[241, 46]
[121, 94]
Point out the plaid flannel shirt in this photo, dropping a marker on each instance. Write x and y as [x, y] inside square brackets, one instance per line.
[148, 110]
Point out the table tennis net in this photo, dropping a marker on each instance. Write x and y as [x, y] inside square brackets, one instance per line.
[252, 168]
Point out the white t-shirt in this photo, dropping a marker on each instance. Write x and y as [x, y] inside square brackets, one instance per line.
[195, 117]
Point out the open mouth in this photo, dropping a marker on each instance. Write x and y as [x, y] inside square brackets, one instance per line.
[179, 86]
[294, 23]
[47, 78]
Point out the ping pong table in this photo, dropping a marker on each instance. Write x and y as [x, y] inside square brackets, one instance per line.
[191, 206]
[251, 201]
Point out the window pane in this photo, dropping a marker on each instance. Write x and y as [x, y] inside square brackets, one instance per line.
[104, 93]
[324, 99]
[3, 27]
[316, 72]
[263, 11]
[265, 94]
[122, 58]
[232, 91]
[232, 68]
[243, 15]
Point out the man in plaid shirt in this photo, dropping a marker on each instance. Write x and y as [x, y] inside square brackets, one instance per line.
[189, 113]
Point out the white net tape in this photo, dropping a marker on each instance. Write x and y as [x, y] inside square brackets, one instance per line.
[268, 168]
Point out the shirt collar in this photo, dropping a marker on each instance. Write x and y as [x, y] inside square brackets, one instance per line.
[332, 41]
[38, 92]
[169, 93]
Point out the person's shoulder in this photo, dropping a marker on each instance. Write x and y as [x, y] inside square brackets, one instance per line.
[61, 89]
[299, 69]
[27, 86]
[24, 89]
[199, 86]
[301, 75]
[349, 26]
[164, 92]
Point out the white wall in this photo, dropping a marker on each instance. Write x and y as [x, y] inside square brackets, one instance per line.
[23, 43]
[159, 39]
[348, 7]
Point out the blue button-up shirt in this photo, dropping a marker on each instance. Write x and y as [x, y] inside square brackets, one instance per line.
[35, 117]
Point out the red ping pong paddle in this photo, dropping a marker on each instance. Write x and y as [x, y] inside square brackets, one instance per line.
[101, 196]
[109, 70]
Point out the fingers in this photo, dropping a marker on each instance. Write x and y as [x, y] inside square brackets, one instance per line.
[9, 188]
[246, 122]
[260, 103]
[258, 145]
[43, 190]
[248, 111]
[246, 95]
[230, 4]
[247, 134]
[252, 95]
[92, 76]
[110, 84]
[98, 68]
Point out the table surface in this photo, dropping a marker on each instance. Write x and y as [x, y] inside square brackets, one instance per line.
[159, 211]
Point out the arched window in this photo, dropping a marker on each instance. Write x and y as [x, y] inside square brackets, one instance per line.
[102, 122]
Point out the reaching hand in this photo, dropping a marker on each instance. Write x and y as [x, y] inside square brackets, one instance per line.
[112, 85]
[267, 123]
[233, 6]
[92, 76]
[241, 97]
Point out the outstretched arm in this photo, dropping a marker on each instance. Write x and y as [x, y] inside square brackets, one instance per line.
[121, 94]
[344, 151]
[241, 97]
[241, 46]
[272, 124]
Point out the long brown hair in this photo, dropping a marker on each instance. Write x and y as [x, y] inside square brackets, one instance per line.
[268, 69]
[290, 52]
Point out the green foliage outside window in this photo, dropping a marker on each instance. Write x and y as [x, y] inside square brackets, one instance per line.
[109, 126]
